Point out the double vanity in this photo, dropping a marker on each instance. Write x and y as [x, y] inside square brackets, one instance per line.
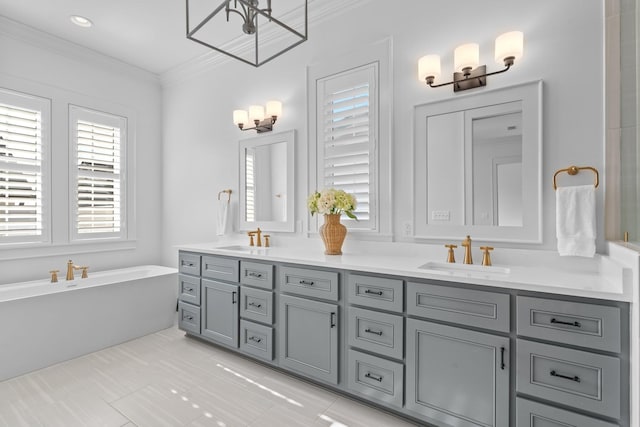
[452, 345]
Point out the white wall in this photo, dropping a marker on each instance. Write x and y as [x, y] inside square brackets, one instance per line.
[563, 47]
[48, 67]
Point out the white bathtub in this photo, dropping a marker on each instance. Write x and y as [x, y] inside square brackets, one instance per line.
[43, 323]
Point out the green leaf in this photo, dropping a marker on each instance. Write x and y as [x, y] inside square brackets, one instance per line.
[351, 215]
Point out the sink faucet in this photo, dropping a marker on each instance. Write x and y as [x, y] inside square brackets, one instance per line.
[71, 267]
[467, 250]
[258, 234]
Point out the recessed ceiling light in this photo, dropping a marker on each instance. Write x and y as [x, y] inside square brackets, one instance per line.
[81, 21]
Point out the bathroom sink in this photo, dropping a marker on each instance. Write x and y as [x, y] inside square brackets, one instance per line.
[470, 269]
[242, 248]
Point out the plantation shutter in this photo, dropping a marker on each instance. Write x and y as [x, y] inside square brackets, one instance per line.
[251, 185]
[346, 139]
[99, 141]
[22, 166]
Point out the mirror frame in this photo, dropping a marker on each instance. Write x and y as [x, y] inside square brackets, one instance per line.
[530, 94]
[289, 138]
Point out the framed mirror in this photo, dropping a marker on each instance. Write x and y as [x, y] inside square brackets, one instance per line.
[267, 182]
[478, 166]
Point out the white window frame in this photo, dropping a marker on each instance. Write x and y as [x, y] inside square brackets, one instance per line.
[32, 102]
[377, 56]
[86, 114]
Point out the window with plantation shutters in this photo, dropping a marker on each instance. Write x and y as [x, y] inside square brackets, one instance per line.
[24, 142]
[250, 207]
[346, 139]
[98, 190]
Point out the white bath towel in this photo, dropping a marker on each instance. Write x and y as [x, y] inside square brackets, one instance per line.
[223, 210]
[576, 220]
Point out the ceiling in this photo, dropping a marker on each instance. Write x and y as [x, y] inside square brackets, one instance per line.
[150, 34]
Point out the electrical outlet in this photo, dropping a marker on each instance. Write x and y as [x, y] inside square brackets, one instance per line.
[407, 228]
[440, 215]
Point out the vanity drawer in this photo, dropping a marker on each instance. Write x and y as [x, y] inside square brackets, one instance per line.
[377, 332]
[375, 377]
[580, 324]
[534, 414]
[189, 289]
[220, 268]
[189, 318]
[256, 274]
[313, 283]
[256, 305]
[256, 339]
[482, 309]
[570, 377]
[375, 292]
[189, 264]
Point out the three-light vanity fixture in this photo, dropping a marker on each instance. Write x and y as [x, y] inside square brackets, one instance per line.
[262, 118]
[468, 74]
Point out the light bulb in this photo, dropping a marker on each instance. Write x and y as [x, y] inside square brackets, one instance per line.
[240, 117]
[466, 56]
[256, 112]
[429, 66]
[508, 45]
[274, 108]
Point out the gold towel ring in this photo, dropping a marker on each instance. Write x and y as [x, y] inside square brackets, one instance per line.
[573, 170]
[228, 193]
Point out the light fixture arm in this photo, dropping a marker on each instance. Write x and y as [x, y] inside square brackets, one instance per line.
[260, 126]
[467, 74]
[248, 14]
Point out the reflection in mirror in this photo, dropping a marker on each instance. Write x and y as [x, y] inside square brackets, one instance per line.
[478, 166]
[266, 182]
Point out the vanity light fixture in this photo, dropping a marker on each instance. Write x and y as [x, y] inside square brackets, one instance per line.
[263, 121]
[468, 73]
[272, 36]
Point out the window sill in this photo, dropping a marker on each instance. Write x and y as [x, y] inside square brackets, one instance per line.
[38, 250]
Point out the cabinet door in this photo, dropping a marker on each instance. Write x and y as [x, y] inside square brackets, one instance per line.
[220, 312]
[308, 337]
[457, 376]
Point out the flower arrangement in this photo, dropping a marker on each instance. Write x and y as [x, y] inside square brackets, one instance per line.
[331, 201]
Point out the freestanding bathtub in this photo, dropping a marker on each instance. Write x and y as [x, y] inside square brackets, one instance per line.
[43, 323]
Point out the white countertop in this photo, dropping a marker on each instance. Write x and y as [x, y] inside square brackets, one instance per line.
[531, 270]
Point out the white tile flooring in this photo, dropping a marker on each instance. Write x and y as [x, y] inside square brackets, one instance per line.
[167, 379]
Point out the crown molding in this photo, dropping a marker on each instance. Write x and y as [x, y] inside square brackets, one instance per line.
[319, 12]
[70, 50]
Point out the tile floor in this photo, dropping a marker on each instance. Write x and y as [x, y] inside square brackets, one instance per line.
[167, 379]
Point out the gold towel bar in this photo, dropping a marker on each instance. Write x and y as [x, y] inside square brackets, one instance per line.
[573, 170]
[228, 193]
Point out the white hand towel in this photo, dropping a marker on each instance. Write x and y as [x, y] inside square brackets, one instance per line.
[576, 220]
[223, 208]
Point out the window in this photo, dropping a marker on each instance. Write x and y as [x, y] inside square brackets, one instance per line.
[346, 136]
[97, 167]
[24, 146]
[250, 185]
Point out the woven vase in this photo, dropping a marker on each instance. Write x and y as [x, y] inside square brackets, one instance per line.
[333, 234]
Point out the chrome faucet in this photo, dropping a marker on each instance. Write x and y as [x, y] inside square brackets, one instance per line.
[258, 234]
[467, 250]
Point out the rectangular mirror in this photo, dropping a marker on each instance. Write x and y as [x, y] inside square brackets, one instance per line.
[478, 166]
[267, 182]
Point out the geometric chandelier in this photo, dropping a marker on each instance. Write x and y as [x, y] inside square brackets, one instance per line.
[250, 31]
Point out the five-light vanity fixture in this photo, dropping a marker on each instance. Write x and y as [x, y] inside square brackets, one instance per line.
[468, 74]
[262, 118]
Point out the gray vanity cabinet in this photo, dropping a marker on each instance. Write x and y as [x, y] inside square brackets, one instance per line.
[308, 337]
[457, 376]
[220, 312]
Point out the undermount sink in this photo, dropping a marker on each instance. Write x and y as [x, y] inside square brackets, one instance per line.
[470, 269]
[242, 248]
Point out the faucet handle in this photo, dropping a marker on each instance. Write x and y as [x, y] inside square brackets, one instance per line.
[266, 240]
[54, 276]
[251, 234]
[451, 257]
[84, 272]
[486, 255]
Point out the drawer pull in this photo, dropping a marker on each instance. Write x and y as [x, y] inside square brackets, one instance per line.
[369, 291]
[188, 317]
[373, 377]
[560, 322]
[502, 358]
[187, 264]
[233, 297]
[333, 320]
[256, 275]
[188, 289]
[256, 339]
[306, 282]
[371, 331]
[574, 378]
[253, 304]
